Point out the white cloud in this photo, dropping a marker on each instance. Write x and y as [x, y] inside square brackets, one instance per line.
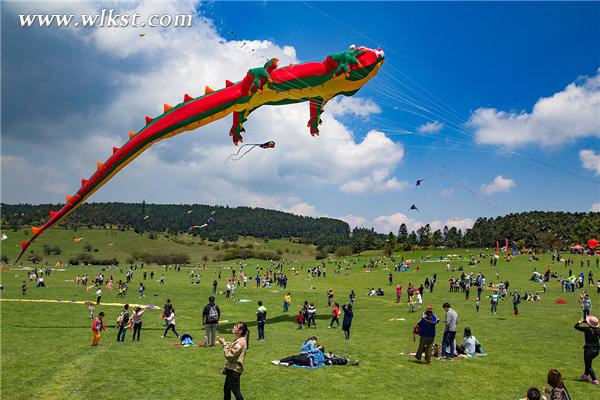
[430, 127]
[498, 185]
[352, 105]
[561, 118]
[391, 223]
[378, 181]
[595, 207]
[303, 209]
[460, 223]
[590, 160]
[354, 221]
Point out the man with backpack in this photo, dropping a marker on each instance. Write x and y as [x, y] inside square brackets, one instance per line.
[210, 317]
[123, 323]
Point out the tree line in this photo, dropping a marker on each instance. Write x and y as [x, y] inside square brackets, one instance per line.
[528, 229]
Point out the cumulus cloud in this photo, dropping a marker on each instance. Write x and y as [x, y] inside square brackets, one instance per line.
[303, 209]
[565, 116]
[354, 220]
[378, 181]
[391, 223]
[590, 160]
[430, 127]
[498, 185]
[595, 207]
[352, 105]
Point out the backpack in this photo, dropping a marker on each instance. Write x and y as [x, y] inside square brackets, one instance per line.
[120, 319]
[213, 315]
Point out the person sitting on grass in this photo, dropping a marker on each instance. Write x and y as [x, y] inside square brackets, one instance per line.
[470, 344]
[557, 389]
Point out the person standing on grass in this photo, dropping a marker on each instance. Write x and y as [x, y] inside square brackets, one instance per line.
[167, 310]
[97, 327]
[300, 319]
[141, 290]
[329, 297]
[24, 289]
[335, 316]
[586, 305]
[426, 334]
[261, 319]
[347, 322]
[494, 302]
[516, 300]
[171, 324]
[449, 331]
[287, 300]
[234, 353]
[210, 319]
[591, 328]
[123, 323]
[137, 322]
[312, 315]
[98, 295]
[398, 293]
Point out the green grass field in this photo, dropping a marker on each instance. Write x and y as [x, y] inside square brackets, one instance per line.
[46, 352]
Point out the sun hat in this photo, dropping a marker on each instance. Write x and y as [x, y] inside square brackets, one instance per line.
[592, 321]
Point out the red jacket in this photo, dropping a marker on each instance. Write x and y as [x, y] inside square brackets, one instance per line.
[98, 325]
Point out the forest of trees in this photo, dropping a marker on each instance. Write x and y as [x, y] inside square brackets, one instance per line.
[528, 229]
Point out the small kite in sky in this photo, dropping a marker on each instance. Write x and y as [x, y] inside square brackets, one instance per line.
[419, 182]
[413, 207]
[266, 145]
[210, 221]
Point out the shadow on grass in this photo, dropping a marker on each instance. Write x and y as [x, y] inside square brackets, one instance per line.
[289, 318]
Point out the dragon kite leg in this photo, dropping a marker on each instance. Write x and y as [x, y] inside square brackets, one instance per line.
[317, 82]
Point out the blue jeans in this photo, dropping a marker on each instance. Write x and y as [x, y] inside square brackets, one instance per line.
[261, 329]
[121, 334]
[286, 306]
[448, 340]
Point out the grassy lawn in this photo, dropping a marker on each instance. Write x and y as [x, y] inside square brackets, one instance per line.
[46, 351]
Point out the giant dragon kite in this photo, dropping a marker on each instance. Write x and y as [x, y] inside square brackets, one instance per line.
[316, 82]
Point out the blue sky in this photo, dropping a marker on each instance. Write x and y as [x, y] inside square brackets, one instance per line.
[478, 69]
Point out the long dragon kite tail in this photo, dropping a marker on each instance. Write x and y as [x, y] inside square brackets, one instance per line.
[316, 109]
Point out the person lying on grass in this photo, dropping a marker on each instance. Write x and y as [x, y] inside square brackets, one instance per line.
[313, 356]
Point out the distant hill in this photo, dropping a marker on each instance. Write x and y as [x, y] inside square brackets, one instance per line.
[230, 222]
[532, 229]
